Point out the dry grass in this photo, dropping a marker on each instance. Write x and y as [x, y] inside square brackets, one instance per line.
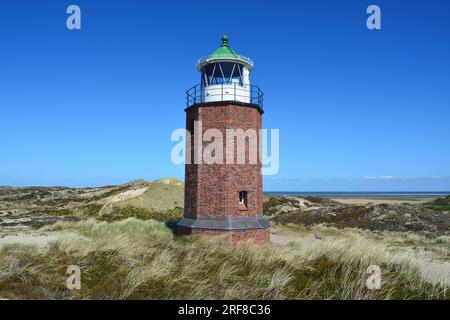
[135, 259]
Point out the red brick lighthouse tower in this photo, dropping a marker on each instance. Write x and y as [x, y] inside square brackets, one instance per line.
[224, 197]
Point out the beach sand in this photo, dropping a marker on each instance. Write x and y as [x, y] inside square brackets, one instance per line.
[380, 199]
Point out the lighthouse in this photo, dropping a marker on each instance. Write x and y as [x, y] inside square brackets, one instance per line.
[224, 196]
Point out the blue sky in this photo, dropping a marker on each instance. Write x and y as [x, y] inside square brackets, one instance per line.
[357, 109]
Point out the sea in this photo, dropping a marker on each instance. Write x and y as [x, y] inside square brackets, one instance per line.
[333, 194]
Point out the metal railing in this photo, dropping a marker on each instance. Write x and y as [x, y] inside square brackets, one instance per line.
[238, 56]
[251, 94]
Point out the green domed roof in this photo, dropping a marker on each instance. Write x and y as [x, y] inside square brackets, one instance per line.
[224, 52]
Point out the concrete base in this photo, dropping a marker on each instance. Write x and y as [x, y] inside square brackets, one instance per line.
[256, 229]
[225, 223]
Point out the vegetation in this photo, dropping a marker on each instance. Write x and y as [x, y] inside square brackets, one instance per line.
[346, 216]
[135, 259]
[91, 209]
[270, 205]
[121, 213]
[440, 204]
[126, 248]
[160, 195]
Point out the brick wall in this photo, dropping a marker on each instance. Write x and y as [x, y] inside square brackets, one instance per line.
[259, 236]
[213, 190]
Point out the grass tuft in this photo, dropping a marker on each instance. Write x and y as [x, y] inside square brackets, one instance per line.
[135, 259]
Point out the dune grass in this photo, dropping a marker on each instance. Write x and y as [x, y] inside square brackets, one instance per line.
[135, 259]
[170, 216]
[440, 204]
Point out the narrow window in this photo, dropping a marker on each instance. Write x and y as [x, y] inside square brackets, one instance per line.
[243, 198]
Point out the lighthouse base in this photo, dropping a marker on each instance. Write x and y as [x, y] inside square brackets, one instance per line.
[235, 229]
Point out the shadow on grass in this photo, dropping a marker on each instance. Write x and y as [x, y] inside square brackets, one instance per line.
[172, 225]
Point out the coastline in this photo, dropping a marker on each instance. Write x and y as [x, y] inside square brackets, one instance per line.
[363, 198]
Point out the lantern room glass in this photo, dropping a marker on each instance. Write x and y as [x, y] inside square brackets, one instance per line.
[222, 73]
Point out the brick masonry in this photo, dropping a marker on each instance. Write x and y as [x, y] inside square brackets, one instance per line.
[259, 236]
[212, 190]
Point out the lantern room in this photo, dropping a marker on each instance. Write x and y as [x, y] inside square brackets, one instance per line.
[225, 76]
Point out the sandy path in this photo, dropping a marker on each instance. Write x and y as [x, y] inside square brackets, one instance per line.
[37, 239]
[123, 196]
